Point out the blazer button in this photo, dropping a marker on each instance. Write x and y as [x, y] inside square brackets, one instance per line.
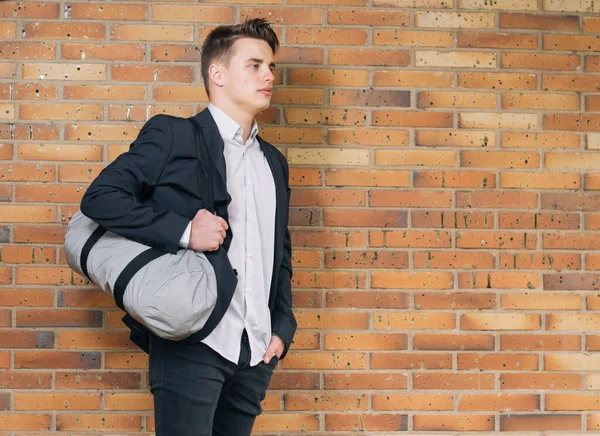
[235, 272]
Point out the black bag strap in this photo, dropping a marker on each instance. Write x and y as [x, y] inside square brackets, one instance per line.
[87, 247]
[206, 184]
[137, 263]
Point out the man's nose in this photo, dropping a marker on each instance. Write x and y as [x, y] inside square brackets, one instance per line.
[270, 77]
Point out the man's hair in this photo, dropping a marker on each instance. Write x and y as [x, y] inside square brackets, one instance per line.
[219, 42]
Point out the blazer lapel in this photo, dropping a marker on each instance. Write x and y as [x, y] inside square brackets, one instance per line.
[280, 208]
[214, 143]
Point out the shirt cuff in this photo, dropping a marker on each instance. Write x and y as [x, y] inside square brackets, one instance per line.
[184, 242]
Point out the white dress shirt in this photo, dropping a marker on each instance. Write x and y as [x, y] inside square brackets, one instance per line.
[252, 219]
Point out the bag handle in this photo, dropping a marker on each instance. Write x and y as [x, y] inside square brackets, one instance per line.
[205, 186]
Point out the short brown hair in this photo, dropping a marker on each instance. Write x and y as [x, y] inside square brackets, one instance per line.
[218, 43]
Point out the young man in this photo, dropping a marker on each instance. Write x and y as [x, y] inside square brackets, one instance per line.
[212, 383]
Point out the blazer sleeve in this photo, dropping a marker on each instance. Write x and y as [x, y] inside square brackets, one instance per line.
[283, 321]
[115, 198]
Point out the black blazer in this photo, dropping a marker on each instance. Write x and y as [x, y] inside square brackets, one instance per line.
[150, 193]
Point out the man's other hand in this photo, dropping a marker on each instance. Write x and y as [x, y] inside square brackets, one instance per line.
[207, 231]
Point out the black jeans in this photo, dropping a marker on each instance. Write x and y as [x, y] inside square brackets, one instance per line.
[199, 393]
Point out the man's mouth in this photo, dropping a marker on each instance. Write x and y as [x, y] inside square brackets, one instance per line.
[266, 91]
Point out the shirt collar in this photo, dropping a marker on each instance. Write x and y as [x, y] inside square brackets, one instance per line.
[228, 128]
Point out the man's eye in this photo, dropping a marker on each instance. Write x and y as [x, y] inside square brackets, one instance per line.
[255, 66]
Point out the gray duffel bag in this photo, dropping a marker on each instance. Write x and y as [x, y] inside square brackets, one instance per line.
[173, 295]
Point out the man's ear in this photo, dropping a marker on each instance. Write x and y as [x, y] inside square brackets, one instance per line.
[215, 74]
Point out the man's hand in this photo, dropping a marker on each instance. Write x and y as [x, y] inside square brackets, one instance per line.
[207, 231]
[276, 347]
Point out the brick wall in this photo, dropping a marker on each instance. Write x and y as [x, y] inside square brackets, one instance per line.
[444, 214]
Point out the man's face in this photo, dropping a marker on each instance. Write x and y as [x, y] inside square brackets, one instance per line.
[248, 79]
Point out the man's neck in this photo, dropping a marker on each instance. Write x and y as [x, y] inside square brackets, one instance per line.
[244, 119]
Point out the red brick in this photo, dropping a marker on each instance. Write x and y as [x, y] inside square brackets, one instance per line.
[546, 381]
[453, 179]
[410, 280]
[54, 401]
[33, 91]
[497, 40]
[283, 16]
[432, 158]
[27, 254]
[454, 422]
[21, 421]
[561, 23]
[69, 31]
[35, 10]
[540, 140]
[28, 50]
[323, 320]
[149, 32]
[412, 38]
[325, 402]
[571, 42]
[569, 82]
[152, 74]
[25, 380]
[326, 36]
[366, 259]
[374, 17]
[424, 79]
[367, 300]
[366, 422]
[192, 13]
[502, 81]
[365, 381]
[420, 321]
[540, 61]
[367, 178]
[129, 401]
[537, 180]
[456, 100]
[422, 341]
[57, 359]
[415, 401]
[411, 361]
[560, 102]
[560, 261]
[324, 360]
[540, 422]
[592, 63]
[421, 198]
[107, 422]
[458, 259]
[337, 77]
[540, 342]
[369, 98]
[102, 11]
[366, 136]
[107, 52]
[499, 402]
[66, 111]
[366, 218]
[498, 361]
[570, 201]
[500, 321]
[453, 381]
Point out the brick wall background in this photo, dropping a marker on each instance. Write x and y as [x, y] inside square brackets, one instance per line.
[444, 213]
